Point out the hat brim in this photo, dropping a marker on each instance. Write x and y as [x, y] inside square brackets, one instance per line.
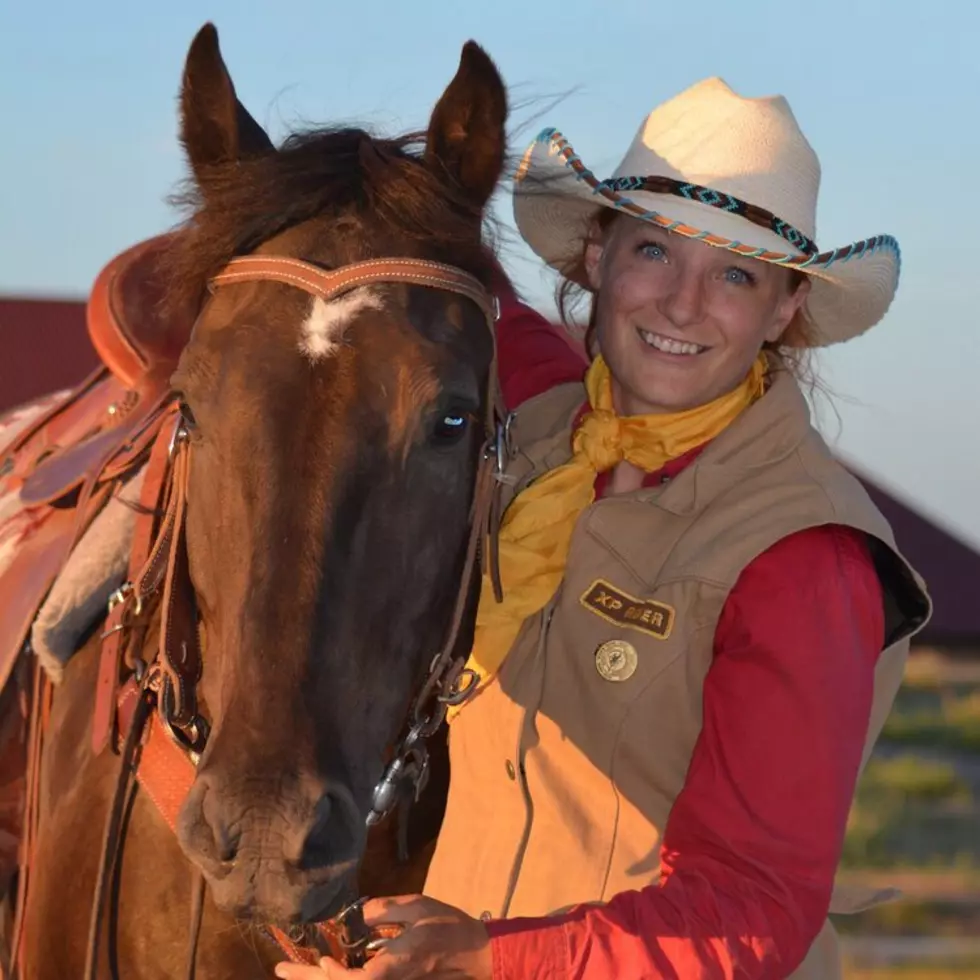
[556, 197]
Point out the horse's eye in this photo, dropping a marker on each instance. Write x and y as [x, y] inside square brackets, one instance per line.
[450, 428]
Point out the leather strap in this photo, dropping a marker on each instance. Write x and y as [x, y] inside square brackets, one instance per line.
[180, 655]
[165, 771]
[161, 562]
[46, 418]
[329, 283]
[40, 707]
[115, 633]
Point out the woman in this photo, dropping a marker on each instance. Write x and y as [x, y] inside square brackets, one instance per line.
[705, 618]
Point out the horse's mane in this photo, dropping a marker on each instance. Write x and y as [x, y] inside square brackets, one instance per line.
[233, 208]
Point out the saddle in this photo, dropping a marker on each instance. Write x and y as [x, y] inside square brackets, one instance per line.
[128, 326]
[65, 465]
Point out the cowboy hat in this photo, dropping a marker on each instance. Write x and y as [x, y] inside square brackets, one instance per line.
[733, 172]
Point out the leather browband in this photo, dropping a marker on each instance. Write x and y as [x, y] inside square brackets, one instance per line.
[329, 283]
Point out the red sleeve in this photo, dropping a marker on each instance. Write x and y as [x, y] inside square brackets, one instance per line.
[753, 841]
[533, 355]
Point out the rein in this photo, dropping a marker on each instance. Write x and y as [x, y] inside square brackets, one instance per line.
[156, 706]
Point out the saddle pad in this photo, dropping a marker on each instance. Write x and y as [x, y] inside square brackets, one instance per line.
[95, 569]
[15, 521]
[97, 566]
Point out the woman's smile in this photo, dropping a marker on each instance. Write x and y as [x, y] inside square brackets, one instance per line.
[670, 346]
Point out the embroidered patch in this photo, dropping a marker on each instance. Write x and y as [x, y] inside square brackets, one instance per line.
[655, 618]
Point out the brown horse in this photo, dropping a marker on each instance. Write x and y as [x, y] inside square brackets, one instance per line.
[333, 450]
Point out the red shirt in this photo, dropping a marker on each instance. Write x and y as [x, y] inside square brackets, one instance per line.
[752, 843]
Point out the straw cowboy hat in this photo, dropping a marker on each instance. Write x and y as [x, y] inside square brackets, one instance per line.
[733, 172]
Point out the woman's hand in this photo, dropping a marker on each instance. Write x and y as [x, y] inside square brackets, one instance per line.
[438, 941]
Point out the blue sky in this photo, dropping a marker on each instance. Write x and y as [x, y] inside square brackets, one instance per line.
[887, 92]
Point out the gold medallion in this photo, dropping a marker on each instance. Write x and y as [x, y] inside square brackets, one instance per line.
[616, 660]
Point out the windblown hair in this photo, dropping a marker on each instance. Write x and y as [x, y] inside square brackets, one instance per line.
[343, 172]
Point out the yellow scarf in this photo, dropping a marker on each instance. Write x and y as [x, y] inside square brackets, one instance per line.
[537, 527]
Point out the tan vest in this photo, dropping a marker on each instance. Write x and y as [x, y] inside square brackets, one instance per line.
[603, 761]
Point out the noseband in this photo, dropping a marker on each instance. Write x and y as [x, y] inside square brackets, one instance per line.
[161, 692]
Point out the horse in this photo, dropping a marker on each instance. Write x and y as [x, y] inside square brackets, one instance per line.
[327, 441]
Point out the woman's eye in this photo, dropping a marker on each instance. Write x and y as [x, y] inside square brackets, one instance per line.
[740, 276]
[653, 251]
[450, 428]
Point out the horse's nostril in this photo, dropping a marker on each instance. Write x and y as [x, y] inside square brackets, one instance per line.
[331, 836]
[224, 842]
[316, 850]
[227, 849]
[204, 834]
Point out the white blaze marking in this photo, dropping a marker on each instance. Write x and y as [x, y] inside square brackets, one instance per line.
[323, 329]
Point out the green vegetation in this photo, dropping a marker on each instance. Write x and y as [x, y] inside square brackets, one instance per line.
[911, 811]
[915, 825]
[966, 970]
[913, 918]
[948, 719]
[910, 779]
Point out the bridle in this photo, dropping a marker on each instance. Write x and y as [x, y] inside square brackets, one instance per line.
[169, 681]
[447, 682]
[156, 706]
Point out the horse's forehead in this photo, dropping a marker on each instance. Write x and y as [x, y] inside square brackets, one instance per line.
[422, 338]
[322, 331]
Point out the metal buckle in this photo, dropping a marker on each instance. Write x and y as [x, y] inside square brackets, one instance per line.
[123, 593]
[191, 738]
[410, 766]
[353, 933]
[118, 597]
[502, 448]
[508, 442]
[178, 436]
[456, 694]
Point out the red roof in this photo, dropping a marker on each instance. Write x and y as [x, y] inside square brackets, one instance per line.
[45, 346]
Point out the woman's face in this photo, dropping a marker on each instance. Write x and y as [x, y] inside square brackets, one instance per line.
[679, 322]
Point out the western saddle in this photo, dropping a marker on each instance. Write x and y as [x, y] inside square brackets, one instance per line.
[67, 463]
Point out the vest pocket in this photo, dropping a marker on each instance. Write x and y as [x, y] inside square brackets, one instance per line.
[611, 642]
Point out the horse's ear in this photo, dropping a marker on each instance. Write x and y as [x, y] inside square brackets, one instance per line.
[215, 127]
[467, 137]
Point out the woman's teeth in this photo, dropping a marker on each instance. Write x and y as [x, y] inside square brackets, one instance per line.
[669, 346]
